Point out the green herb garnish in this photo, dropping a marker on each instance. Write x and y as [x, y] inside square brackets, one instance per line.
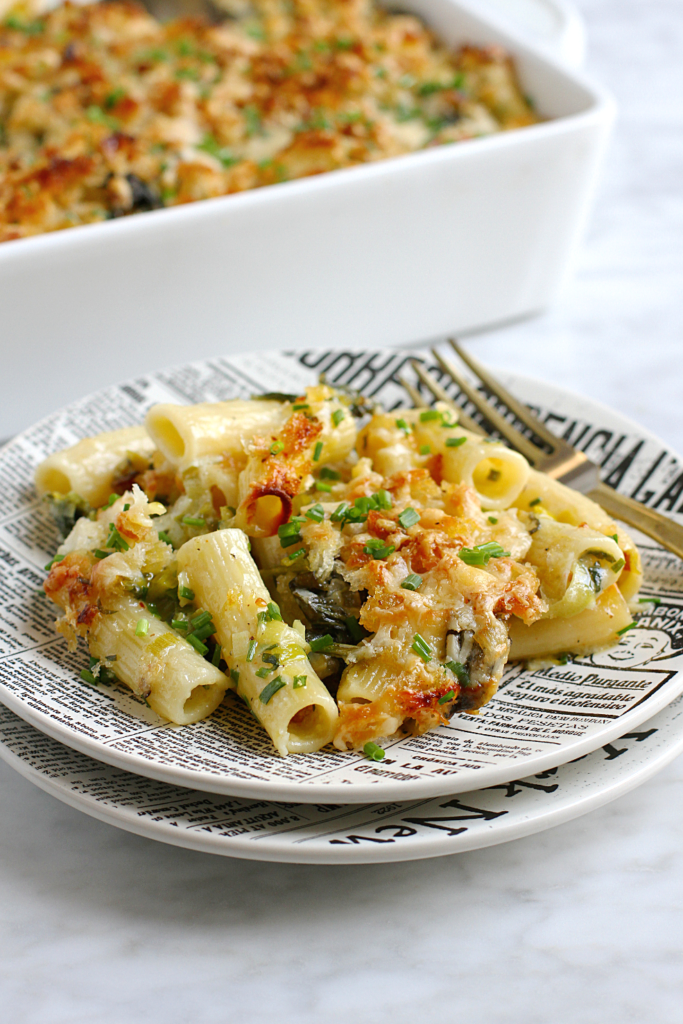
[373, 752]
[412, 582]
[408, 518]
[316, 513]
[421, 648]
[197, 644]
[271, 689]
[321, 643]
[455, 442]
[482, 553]
[376, 548]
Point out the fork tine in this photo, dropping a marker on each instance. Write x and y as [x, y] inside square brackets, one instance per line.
[518, 441]
[415, 396]
[496, 388]
[442, 395]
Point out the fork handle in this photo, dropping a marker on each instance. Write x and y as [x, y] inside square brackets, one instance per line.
[654, 524]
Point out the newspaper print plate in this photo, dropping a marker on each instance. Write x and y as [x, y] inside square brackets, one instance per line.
[538, 719]
[341, 833]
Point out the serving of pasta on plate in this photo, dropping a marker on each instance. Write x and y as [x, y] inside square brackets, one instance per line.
[352, 574]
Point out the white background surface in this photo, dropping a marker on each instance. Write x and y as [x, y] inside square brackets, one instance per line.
[580, 925]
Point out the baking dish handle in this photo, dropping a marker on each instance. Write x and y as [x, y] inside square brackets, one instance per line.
[554, 24]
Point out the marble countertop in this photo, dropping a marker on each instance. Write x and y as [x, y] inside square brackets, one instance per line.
[577, 925]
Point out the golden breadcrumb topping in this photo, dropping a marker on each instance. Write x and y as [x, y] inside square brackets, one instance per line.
[106, 112]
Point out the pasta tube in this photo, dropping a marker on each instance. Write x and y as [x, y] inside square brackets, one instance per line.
[588, 631]
[190, 434]
[319, 430]
[265, 655]
[159, 665]
[568, 506]
[497, 474]
[574, 565]
[89, 467]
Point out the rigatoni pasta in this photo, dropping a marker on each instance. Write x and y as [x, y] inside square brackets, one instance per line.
[347, 584]
[266, 656]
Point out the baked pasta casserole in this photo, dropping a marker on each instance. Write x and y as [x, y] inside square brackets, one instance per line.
[106, 112]
[350, 573]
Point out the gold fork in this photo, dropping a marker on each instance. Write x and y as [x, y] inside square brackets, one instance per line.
[562, 462]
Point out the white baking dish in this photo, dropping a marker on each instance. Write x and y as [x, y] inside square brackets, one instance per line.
[447, 239]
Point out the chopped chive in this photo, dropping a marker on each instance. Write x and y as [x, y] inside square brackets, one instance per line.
[482, 553]
[421, 648]
[193, 521]
[287, 542]
[321, 643]
[376, 548]
[631, 625]
[373, 752]
[614, 537]
[88, 677]
[204, 632]
[57, 558]
[276, 447]
[186, 593]
[126, 506]
[534, 501]
[446, 697]
[142, 627]
[317, 451]
[492, 519]
[364, 504]
[216, 656]
[292, 527]
[301, 405]
[251, 650]
[299, 553]
[329, 474]
[270, 659]
[460, 672]
[197, 644]
[408, 518]
[98, 553]
[383, 499]
[299, 681]
[425, 449]
[337, 417]
[165, 537]
[235, 675]
[316, 513]
[455, 442]
[110, 500]
[180, 624]
[200, 619]
[271, 689]
[429, 415]
[340, 512]
[618, 566]
[649, 600]
[412, 582]
[274, 612]
[321, 486]
[115, 540]
[263, 672]
[402, 425]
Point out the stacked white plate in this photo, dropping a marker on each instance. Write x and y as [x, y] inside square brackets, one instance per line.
[554, 742]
